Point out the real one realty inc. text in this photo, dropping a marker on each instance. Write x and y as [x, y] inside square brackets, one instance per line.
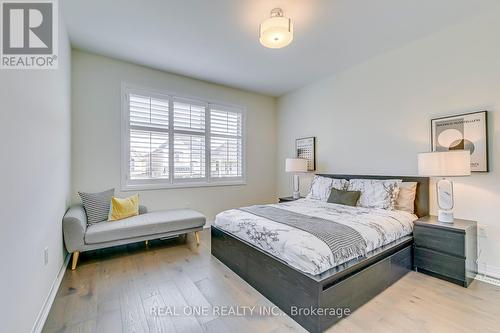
[243, 311]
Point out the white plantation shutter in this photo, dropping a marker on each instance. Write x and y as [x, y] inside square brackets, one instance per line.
[176, 142]
[189, 115]
[148, 111]
[226, 157]
[148, 139]
[189, 156]
[226, 142]
[148, 155]
[225, 122]
[189, 139]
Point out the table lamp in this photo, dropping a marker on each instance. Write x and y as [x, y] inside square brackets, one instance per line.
[296, 165]
[453, 163]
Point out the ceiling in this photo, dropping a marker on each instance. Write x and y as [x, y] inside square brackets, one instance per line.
[217, 40]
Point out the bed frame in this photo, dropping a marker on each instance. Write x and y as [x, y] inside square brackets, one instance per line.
[338, 291]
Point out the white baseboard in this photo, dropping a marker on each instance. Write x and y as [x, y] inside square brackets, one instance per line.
[488, 279]
[490, 274]
[493, 271]
[44, 311]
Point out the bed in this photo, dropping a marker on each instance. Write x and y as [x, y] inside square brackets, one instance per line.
[297, 272]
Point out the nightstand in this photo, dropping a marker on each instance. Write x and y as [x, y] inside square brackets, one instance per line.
[446, 250]
[286, 199]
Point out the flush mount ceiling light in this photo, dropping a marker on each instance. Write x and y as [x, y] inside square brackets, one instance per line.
[277, 31]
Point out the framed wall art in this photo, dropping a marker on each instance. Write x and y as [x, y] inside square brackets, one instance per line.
[467, 131]
[306, 148]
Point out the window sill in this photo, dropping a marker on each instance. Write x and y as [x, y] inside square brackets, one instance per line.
[145, 187]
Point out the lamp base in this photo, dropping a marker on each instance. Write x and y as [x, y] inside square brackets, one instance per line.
[296, 191]
[445, 216]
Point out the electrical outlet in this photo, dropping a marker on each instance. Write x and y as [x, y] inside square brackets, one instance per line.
[482, 230]
[45, 256]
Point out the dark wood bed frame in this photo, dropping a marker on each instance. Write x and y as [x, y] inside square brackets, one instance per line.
[343, 288]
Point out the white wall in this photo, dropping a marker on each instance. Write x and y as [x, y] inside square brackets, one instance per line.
[374, 118]
[35, 154]
[96, 83]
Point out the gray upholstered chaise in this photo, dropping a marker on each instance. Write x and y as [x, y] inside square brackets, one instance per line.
[80, 237]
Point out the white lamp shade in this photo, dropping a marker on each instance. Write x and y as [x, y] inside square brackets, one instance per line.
[277, 31]
[444, 163]
[296, 165]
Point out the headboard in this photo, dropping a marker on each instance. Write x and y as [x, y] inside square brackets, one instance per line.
[421, 200]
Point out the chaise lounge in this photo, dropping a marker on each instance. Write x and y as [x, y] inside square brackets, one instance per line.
[80, 236]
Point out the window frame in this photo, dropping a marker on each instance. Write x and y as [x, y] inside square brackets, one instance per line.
[128, 184]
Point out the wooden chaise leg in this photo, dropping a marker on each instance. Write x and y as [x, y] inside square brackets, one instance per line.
[75, 260]
[146, 242]
[196, 234]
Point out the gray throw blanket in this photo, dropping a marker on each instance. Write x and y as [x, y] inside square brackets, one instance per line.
[343, 240]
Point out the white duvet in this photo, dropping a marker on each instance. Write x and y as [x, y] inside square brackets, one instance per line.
[301, 249]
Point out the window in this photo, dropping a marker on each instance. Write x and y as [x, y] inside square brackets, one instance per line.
[226, 143]
[171, 141]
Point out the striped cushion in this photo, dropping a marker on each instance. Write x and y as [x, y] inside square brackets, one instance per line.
[97, 205]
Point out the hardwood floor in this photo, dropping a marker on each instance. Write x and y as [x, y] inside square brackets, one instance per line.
[115, 290]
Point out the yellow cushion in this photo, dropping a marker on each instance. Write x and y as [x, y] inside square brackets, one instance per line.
[123, 208]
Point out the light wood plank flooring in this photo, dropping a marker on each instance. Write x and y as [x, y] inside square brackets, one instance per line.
[114, 290]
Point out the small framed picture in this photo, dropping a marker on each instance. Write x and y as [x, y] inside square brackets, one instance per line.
[467, 131]
[306, 148]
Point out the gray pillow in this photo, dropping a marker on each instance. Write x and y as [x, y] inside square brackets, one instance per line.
[341, 197]
[97, 205]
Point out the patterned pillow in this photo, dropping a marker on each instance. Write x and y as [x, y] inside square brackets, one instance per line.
[321, 186]
[376, 193]
[97, 205]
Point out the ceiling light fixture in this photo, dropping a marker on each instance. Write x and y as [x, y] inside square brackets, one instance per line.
[277, 31]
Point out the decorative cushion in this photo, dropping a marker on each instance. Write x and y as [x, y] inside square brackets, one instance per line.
[97, 205]
[406, 197]
[321, 186]
[122, 208]
[348, 198]
[376, 193]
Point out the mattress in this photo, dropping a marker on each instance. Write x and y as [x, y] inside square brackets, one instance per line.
[304, 251]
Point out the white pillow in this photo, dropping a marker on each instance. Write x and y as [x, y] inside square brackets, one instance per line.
[406, 197]
[321, 187]
[376, 193]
